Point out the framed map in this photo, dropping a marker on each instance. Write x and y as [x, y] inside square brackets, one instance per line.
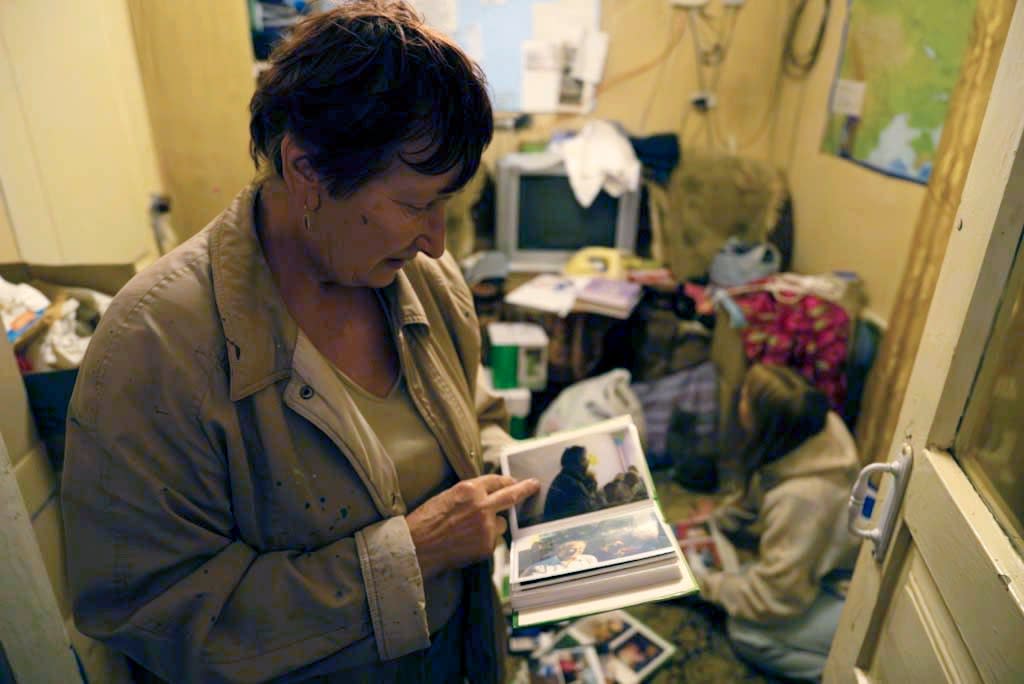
[899, 65]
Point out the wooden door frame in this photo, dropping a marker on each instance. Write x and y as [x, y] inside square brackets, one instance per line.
[985, 239]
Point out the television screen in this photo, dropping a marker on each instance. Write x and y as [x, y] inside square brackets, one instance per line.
[551, 218]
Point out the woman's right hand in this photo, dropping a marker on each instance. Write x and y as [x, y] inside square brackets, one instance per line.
[461, 525]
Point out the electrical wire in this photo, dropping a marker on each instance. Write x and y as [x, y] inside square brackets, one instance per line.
[791, 64]
[618, 79]
[798, 65]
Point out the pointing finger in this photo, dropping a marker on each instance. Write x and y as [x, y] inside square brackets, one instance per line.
[511, 495]
[492, 483]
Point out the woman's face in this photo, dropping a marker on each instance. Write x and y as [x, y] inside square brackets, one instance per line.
[364, 239]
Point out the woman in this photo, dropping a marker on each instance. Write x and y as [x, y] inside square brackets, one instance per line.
[574, 489]
[801, 463]
[274, 447]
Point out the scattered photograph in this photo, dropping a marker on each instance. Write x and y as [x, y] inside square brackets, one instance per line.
[634, 657]
[578, 665]
[603, 628]
[591, 473]
[591, 545]
[629, 651]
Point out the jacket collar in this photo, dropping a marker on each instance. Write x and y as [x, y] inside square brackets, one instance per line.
[259, 332]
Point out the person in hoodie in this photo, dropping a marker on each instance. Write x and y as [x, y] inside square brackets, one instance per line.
[574, 490]
[800, 463]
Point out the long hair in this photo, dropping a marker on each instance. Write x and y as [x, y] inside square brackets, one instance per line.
[785, 410]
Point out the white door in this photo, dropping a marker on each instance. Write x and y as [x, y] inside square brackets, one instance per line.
[946, 603]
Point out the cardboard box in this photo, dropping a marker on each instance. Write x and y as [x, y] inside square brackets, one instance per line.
[35, 405]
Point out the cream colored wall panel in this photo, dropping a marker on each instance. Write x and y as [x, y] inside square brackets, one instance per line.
[17, 426]
[49, 528]
[36, 478]
[26, 202]
[77, 79]
[196, 61]
[8, 243]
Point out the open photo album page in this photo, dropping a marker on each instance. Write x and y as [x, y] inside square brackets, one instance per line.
[582, 474]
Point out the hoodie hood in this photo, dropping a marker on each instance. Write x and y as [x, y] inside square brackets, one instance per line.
[831, 450]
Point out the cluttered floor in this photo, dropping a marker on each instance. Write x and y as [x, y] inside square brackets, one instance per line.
[697, 630]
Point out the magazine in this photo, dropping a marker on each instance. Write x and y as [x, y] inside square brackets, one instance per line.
[629, 650]
[593, 538]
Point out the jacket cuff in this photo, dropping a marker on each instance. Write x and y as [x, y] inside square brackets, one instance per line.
[394, 588]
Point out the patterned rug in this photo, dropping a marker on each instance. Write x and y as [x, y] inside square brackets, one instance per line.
[697, 629]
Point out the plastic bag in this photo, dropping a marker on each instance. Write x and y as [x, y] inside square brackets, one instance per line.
[591, 401]
[738, 263]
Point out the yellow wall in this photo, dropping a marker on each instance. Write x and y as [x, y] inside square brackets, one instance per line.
[197, 71]
[847, 217]
[8, 245]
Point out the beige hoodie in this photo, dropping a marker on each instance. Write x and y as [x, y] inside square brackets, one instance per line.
[796, 508]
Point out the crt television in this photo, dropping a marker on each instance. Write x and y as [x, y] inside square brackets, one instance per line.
[539, 222]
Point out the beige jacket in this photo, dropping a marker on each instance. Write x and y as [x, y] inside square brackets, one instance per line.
[230, 517]
[796, 508]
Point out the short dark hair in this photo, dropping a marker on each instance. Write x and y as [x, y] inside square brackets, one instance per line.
[358, 83]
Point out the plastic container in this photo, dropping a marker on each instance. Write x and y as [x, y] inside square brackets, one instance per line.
[517, 402]
[518, 355]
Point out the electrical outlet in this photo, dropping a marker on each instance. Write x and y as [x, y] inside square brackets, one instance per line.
[703, 101]
[689, 4]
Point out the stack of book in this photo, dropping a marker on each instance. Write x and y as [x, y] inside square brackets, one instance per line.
[562, 295]
[608, 297]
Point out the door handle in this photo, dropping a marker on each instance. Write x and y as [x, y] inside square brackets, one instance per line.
[881, 534]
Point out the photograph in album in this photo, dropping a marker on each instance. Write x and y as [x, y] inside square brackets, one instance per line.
[591, 546]
[590, 473]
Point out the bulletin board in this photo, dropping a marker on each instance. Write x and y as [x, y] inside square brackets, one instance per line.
[538, 55]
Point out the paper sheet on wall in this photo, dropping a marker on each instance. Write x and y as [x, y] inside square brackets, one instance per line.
[441, 14]
[541, 76]
[495, 33]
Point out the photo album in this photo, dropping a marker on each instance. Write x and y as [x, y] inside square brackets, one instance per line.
[593, 539]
